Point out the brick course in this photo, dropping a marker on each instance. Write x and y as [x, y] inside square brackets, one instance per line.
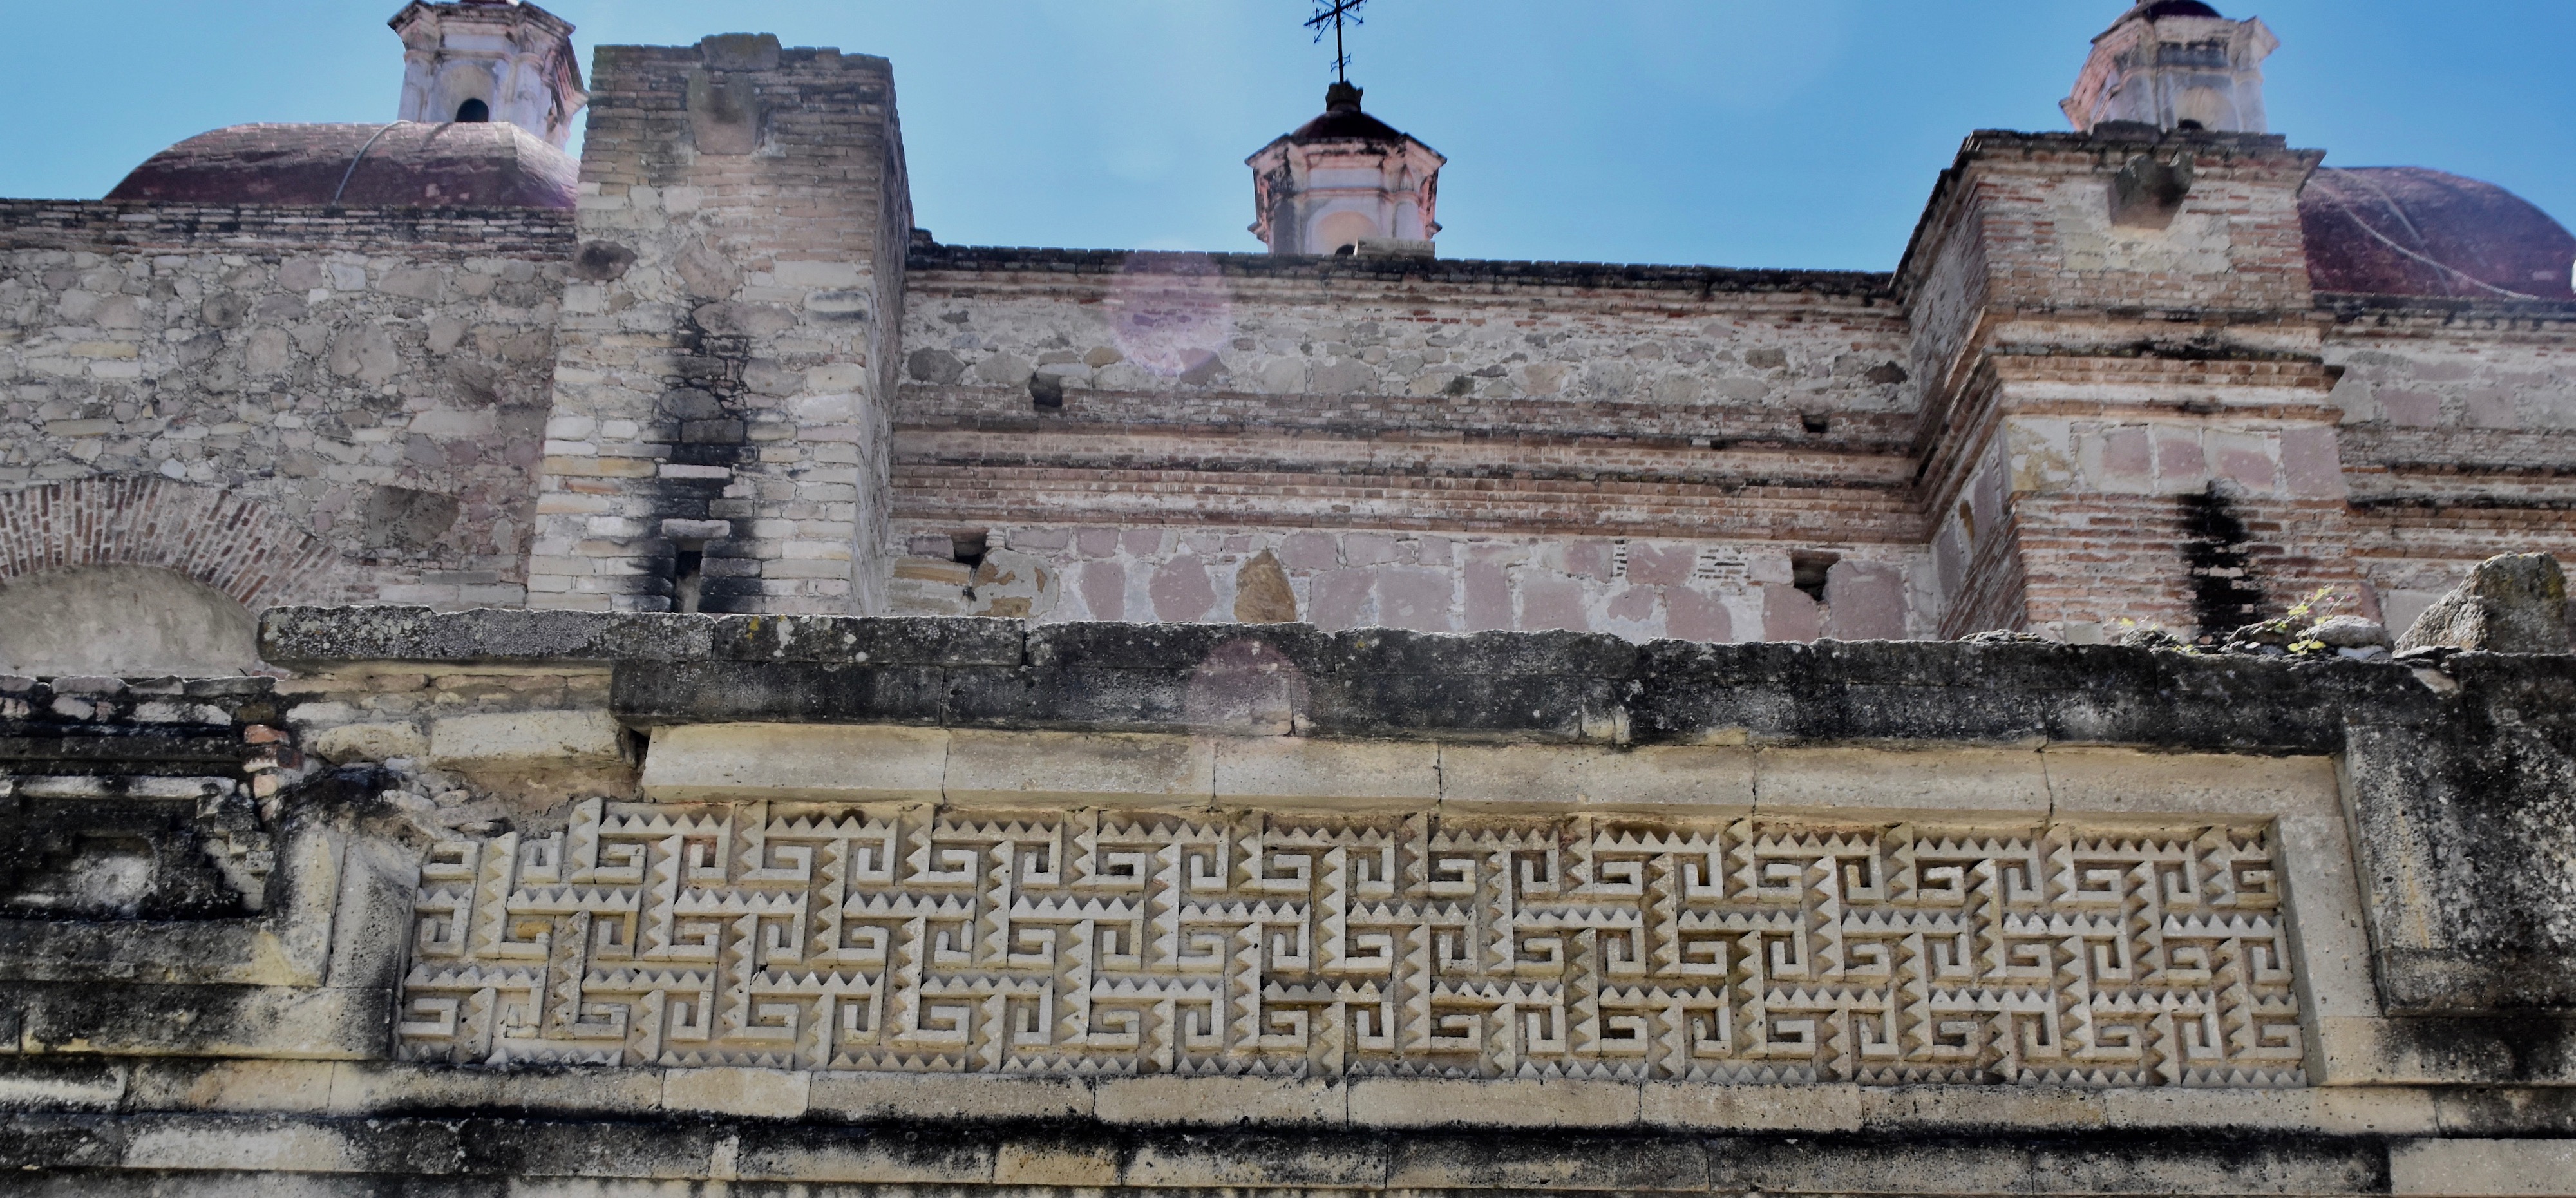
[236, 545]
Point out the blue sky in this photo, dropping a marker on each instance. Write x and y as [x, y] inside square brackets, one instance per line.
[1726, 132]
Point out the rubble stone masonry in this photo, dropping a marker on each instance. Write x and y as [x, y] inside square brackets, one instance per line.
[376, 381]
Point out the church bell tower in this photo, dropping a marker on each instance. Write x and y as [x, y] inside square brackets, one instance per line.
[1346, 183]
[2174, 64]
[490, 60]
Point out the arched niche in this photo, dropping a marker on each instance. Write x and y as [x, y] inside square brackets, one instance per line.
[123, 620]
[1341, 232]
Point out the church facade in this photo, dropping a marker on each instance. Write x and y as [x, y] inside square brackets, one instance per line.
[654, 674]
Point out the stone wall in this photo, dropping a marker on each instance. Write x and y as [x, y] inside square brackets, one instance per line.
[2132, 416]
[610, 904]
[376, 380]
[1430, 445]
[2459, 421]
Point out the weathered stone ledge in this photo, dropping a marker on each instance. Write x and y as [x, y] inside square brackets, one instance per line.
[2460, 780]
[1608, 276]
[1294, 678]
[152, 1153]
[390, 1089]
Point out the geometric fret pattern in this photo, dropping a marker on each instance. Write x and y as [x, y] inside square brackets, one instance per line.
[1764, 950]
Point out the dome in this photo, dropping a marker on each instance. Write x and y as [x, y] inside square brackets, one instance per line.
[2161, 9]
[1343, 121]
[406, 164]
[2404, 230]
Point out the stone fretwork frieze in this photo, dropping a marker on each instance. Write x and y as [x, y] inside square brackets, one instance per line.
[1759, 950]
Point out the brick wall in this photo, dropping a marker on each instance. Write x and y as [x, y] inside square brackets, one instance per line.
[373, 379]
[1440, 445]
[245, 549]
[2458, 436]
[726, 355]
[1639, 588]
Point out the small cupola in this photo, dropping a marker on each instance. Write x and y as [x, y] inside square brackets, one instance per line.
[473, 61]
[2174, 64]
[1346, 183]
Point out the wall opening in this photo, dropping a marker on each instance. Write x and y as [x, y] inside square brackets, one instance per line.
[1340, 232]
[1808, 570]
[688, 577]
[123, 620]
[473, 112]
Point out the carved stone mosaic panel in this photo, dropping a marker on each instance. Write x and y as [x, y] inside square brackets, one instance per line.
[1761, 950]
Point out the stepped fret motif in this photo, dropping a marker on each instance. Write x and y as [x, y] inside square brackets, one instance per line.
[1096, 943]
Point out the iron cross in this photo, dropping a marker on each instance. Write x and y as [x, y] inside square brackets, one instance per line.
[1333, 12]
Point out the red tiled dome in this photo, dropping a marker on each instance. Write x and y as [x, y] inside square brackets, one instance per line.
[2405, 230]
[406, 164]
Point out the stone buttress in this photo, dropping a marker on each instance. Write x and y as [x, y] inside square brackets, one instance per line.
[2126, 411]
[718, 437]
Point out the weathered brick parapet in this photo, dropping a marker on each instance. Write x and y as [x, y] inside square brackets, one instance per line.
[110, 225]
[1561, 277]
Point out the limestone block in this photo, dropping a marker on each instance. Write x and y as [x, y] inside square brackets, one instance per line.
[277, 1086]
[1075, 769]
[808, 1153]
[1506, 1102]
[283, 1147]
[1711, 782]
[1208, 1162]
[1916, 1108]
[2259, 1167]
[2326, 925]
[2521, 1050]
[1055, 1163]
[1168, 1099]
[1295, 772]
[366, 1087]
[367, 742]
[872, 1096]
[1803, 1165]
[1552, 1164]
[54, 1083]
[1829, 1108]
[2331, 1110]
[287, 1022]
[2482, 1167]
[733, 1090]
[860, 763]
[1901, 780]
[524, 740]
[2108, 781]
